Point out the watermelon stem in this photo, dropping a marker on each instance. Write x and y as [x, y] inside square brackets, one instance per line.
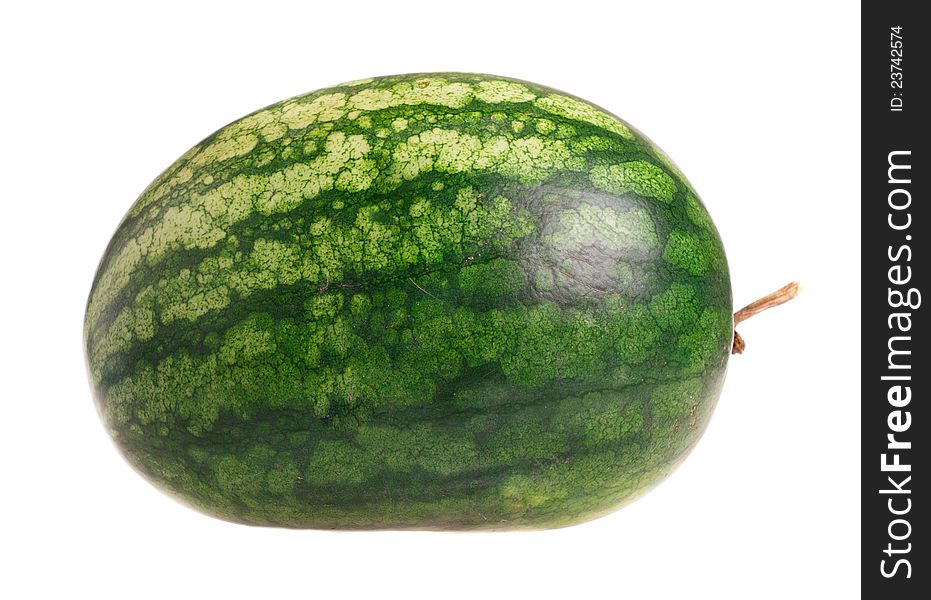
[780, 296]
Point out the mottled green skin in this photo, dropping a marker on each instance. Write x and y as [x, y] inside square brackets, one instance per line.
[428, 301]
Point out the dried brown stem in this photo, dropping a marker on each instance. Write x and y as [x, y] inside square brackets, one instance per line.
[780, 296]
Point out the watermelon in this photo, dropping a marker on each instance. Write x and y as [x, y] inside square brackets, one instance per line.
[429, 301]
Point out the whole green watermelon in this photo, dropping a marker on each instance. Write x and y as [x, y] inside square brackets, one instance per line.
[436, 301]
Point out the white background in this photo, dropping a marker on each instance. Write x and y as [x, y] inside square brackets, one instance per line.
[758, 106]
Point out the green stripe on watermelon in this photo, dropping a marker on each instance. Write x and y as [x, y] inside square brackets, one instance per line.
[430, 301]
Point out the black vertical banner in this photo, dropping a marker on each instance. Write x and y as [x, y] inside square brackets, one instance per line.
[896, 371]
